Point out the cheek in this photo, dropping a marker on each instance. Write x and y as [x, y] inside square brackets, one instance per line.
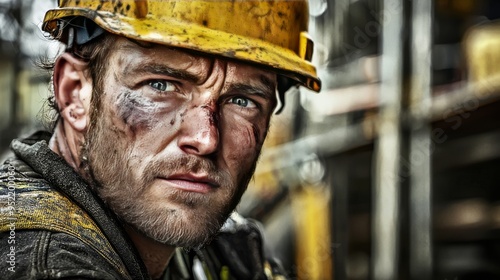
[135, 111]
[142, 127]
[242, 142]
[137, 114]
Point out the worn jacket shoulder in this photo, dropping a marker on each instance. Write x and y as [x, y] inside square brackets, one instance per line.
[46, 235]
[35, 152]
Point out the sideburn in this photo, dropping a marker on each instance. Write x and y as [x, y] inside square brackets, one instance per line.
[96, 53]
[92, 136]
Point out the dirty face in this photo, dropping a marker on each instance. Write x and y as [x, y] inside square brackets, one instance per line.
[175, 139]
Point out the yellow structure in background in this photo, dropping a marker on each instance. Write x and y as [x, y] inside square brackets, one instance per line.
[311, 211]
[483, 59]
[310, 203]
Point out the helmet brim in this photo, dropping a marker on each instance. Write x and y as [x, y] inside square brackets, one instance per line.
[190, 36]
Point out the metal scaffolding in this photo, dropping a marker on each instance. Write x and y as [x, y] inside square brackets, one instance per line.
[420, 141]
[386, 196]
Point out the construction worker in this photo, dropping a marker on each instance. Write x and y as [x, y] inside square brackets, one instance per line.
[163, 107]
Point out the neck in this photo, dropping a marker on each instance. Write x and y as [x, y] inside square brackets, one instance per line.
[155, 255]
[63, 146]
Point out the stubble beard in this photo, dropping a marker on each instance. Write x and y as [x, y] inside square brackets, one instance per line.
[109, 171]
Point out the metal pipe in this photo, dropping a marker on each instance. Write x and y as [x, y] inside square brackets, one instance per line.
[420, 141]
[385, 242]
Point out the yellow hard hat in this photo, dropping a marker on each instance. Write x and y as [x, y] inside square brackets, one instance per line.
[271, 33]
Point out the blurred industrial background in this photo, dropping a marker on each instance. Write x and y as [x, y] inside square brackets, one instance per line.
[390, 172]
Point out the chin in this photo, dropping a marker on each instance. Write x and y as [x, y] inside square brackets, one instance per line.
[180, 226]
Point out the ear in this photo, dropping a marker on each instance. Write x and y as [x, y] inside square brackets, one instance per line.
[72, 90]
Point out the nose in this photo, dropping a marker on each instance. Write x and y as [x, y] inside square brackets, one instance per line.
[199, 133]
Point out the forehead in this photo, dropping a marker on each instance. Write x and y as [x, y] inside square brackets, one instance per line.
[129, 54]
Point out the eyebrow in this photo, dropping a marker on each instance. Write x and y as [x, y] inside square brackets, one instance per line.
[160, 69]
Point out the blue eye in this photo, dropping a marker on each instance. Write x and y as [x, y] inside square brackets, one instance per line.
[161, 85]
[242, 102]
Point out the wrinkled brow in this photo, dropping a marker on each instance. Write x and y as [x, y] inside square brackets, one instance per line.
[160, 69]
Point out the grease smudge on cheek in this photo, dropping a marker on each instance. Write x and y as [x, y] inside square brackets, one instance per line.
[136, 111]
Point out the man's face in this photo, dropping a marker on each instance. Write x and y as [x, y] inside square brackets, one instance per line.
[175, 139]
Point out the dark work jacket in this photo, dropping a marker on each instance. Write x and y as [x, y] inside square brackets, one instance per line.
[52, 226]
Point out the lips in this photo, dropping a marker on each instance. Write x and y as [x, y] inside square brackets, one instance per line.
[191, 183]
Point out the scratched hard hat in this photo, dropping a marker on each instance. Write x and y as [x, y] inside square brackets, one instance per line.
[270, 33]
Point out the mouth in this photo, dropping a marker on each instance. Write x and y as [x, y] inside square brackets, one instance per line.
[191, 183]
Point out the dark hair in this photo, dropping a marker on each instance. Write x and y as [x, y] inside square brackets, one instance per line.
[95, 54]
